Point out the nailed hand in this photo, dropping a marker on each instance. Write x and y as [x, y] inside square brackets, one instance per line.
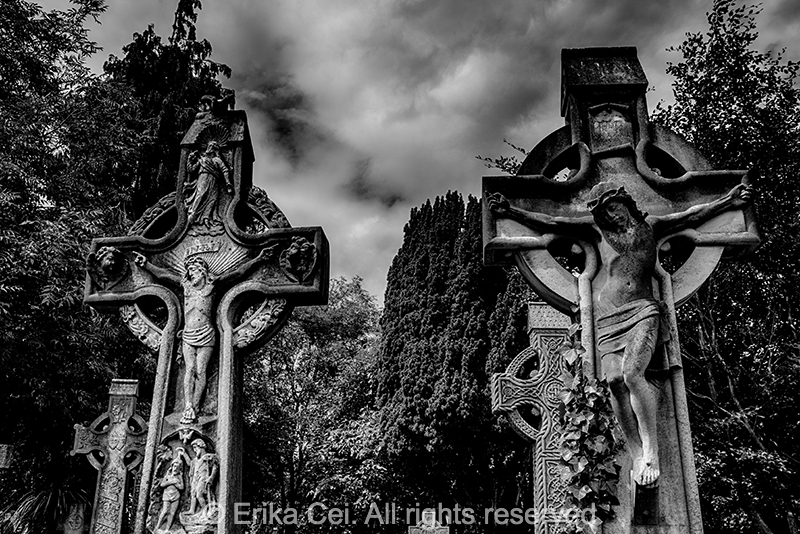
[498, 203]
[741, 195]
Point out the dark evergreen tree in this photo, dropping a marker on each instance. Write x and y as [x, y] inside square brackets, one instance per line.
[448, 323]
[740, 332]
[168, 80]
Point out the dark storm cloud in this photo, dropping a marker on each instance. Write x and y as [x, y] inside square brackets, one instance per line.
[416, 88]
[292, 123]
[362, 187]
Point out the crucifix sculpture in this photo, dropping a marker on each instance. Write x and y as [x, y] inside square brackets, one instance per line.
[114, 445]
[210, 272]
[617, 198]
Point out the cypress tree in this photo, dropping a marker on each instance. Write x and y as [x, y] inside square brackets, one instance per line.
[448, 323]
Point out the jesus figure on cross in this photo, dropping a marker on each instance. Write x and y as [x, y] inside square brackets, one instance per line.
[630, 326]
[199, 334]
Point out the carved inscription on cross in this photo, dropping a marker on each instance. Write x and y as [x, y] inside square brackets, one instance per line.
[537, 391]
[617, 198]
[204, 276]
[114, 444]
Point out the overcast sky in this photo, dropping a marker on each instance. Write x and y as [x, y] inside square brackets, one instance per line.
[363, 109]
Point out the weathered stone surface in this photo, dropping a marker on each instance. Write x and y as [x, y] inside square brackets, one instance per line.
[75, 522]
[428, 525]
[523, 391]
[114, 445]
[207, 274]
[623, 192]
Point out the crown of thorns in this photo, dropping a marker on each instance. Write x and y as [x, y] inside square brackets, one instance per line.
[605, 192]
[195, 260]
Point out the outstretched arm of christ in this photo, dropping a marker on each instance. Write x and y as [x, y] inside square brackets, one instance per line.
[159, 272]
[538, 221]
[737, 198]
[263, 256]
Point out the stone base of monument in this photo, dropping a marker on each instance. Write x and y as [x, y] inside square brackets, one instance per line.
[202, 522]
[663, 509]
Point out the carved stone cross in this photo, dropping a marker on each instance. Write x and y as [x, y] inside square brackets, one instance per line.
[618, 200]
[209, 273]
[114, 444]
[521, 391]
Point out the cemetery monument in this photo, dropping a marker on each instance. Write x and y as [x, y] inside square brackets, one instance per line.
[206, 275]
[630, 196]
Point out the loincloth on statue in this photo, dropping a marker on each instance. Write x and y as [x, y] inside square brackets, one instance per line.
[205, 336]
[616, 329]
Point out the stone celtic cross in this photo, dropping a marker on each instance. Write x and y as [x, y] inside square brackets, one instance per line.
[521, 391]
[209, 273]
[114, 444]
[616, 198]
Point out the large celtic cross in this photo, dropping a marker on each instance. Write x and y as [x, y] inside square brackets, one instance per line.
[207, 274]
[620, 220]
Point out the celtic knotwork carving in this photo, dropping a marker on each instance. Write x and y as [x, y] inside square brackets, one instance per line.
[255, 325]
[141, 326]
[116, 446]
[259, 200]
[513, 393]
[556, 489]
[152, 213]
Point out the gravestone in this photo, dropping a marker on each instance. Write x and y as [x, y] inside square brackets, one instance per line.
[528, 395]
[206, 275]
[75, 521]
[428, 524]
[114, 445]
[629, 195]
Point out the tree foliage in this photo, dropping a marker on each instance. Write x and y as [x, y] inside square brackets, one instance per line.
[448, 323]
[589, 448]
[168, 80]
[740, 332]
[67, 151]
[74, 149]
[507, 164]
[311, 429]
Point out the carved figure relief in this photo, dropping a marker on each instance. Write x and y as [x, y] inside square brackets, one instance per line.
[204, 473]
[199, 336]
[629, 324]
[299, 259]
[172, 485]
[209, 176]
[107, 267]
